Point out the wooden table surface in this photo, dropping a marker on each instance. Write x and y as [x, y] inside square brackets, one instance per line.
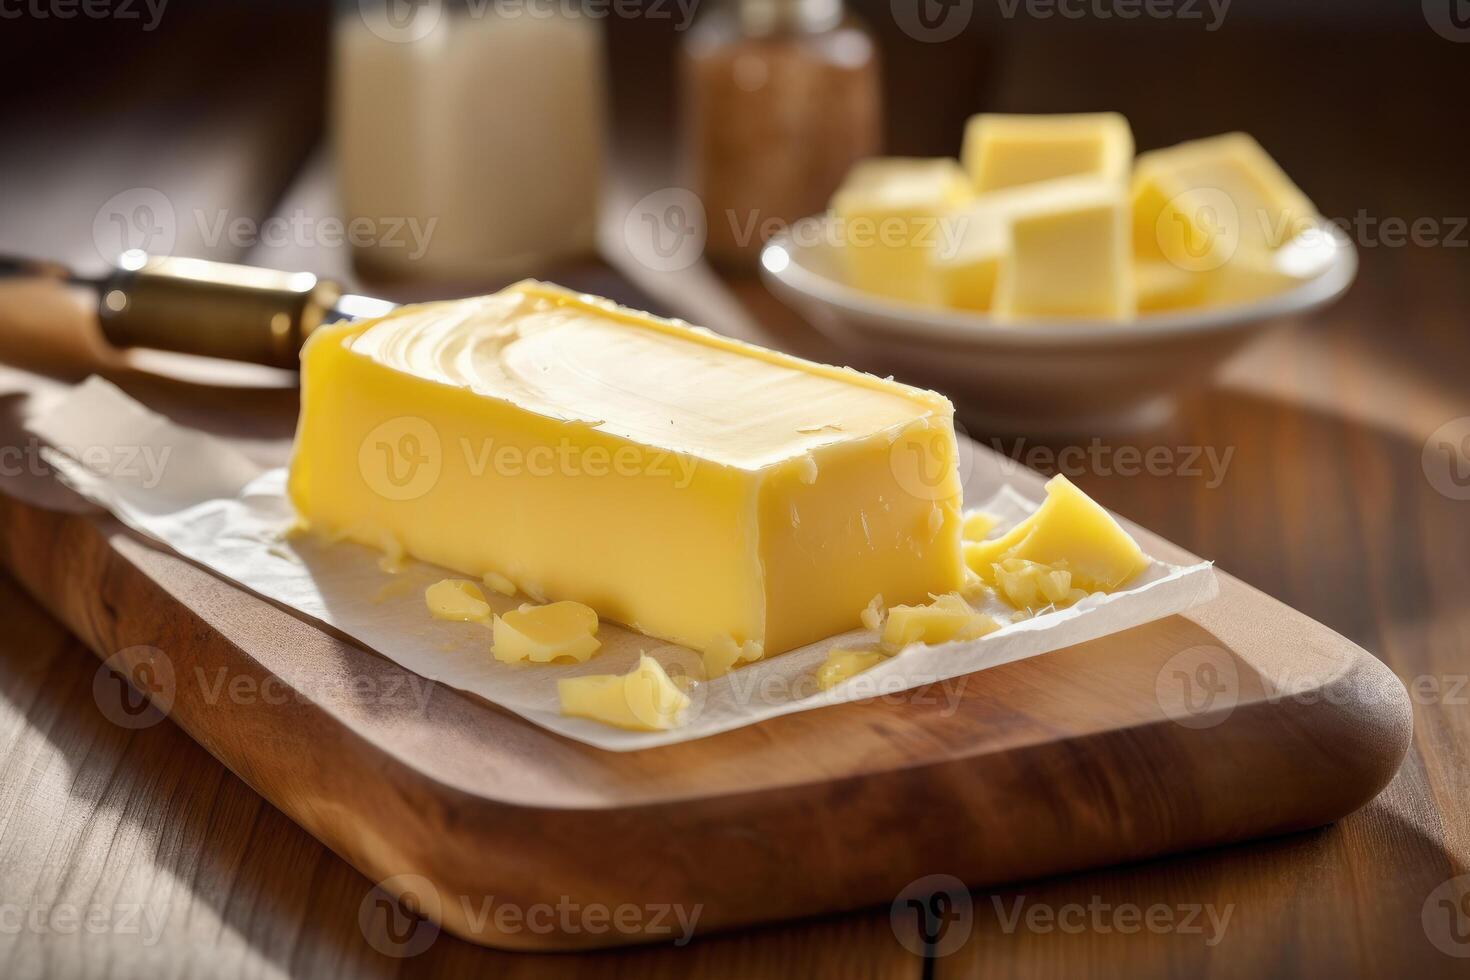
[133, 852]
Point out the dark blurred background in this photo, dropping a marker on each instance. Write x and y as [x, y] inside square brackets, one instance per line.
[1363, 103]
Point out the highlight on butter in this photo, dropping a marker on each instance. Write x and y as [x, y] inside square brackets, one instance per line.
[698, 489]
[1051, 217]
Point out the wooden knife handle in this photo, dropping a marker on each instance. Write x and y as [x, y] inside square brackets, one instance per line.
[51, 328]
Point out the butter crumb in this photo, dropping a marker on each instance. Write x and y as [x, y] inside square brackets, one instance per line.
[936, 521]
[456, 599]
[499, 583]
[974, 588]
[1034, 585]
[842, 665]
[723, 655]
[644, 699]
[874, 614]
[541, 634]
[947, 618]
[394, 557]
[808, 472]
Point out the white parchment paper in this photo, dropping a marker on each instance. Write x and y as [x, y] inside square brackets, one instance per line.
[202, 498]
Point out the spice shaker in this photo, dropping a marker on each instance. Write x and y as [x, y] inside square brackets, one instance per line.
[780, 98]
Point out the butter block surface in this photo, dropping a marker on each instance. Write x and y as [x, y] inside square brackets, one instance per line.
[687, 485]
[893, 214]
[1003, 151]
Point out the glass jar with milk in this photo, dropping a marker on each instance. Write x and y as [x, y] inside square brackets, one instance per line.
[482, 120]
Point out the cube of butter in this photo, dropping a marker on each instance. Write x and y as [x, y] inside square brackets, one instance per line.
[892, 214]
[1199, 204]
[687, 485]
[1010, 150]
[966, 276]
[1069, 253]
[1164, 286]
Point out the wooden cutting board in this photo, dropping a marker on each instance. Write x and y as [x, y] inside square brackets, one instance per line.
[1241, 719]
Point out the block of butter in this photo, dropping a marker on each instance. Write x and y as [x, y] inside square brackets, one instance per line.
[892, 215]
[692, 487]
[1069, 254]
[1003, 151]
[1220, 208]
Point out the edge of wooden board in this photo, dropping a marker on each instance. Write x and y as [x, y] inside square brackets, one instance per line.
[1047, 765]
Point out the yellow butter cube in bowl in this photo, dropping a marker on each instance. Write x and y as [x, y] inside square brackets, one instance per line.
[889, 217]
[1002, 151]
[1077, 287]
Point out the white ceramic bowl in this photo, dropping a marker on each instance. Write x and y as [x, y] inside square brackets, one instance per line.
[1047, 376]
